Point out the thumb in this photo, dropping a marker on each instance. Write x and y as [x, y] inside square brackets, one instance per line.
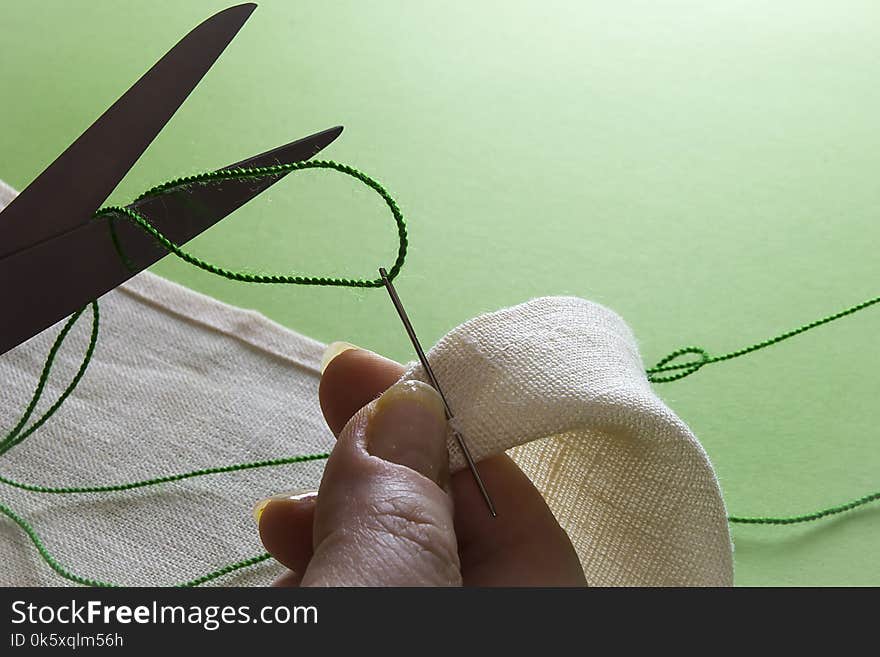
[383, 516]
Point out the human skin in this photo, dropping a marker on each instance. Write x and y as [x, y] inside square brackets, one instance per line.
[388, 513]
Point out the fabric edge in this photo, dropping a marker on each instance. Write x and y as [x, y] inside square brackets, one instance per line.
[245, 325]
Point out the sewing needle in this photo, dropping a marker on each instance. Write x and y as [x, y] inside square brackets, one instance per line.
[427, 367]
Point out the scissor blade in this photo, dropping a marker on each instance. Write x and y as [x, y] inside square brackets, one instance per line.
[72, 188]
[181, 214]
[42, 285]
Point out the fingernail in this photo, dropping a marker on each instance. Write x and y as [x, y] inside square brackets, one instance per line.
[293, 496]
[333, 350]
[408, 427]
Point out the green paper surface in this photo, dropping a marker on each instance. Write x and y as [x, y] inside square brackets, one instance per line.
[706, 169]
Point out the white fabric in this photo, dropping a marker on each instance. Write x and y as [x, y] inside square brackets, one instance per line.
[180, 381]
[622, 473]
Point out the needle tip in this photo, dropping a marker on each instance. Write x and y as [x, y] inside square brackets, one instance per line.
[424, 360]
[486, 497]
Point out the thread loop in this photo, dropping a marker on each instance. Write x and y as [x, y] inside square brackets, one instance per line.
[669, 368]
[686, 368]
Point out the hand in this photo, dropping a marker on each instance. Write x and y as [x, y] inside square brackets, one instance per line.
[389, 514]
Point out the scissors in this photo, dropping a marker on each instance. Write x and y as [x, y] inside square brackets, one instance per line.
[55, 256]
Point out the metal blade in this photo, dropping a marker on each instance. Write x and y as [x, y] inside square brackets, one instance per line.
[47, 282]
[72, 188]
[181, 215]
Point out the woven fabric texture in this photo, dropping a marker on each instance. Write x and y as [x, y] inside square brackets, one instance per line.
[180, 381]
[560, 380]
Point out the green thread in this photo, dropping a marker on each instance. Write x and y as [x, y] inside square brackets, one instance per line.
[18, 433]
[807, 517]
[225, 570]
[687, 368]
[256, 173]
[47, 556]
[53, 563]
[112, 488]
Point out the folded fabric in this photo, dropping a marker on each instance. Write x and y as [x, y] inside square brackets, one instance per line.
[180, 381]
[560, 380]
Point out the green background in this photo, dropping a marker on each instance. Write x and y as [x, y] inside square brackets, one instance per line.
[706, 169]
